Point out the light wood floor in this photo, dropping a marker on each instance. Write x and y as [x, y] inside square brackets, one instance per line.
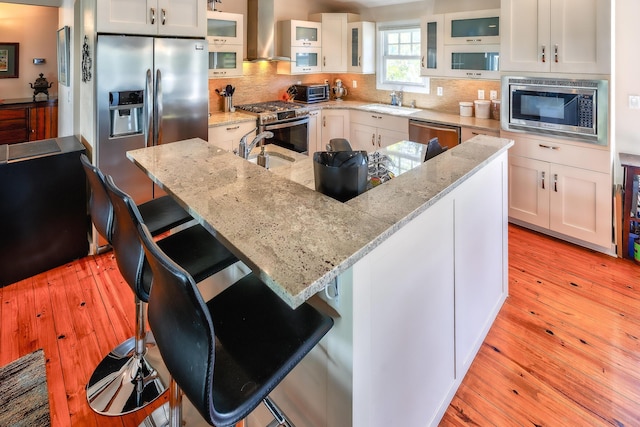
[564, 350]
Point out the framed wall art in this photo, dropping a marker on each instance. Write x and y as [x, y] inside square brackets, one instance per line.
[63, 56]
[9, 60]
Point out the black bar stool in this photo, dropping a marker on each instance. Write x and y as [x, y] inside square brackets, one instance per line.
[229, 353]
[160, 214]
[125, 380]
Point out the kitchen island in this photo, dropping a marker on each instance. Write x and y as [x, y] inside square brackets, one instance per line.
[414, 270]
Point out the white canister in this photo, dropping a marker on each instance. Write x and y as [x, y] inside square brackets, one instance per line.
[482, 108]
[466, 109]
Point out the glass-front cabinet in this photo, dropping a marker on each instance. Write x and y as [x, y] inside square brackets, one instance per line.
[478, 27]
[301, 33]
[361, 47]
[474, 62]
[225, 61]
[432, 32]
[300, 41]
[225, 34]
[225, 28]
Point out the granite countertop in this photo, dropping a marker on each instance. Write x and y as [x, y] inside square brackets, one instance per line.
[296, 239]
[220, 119]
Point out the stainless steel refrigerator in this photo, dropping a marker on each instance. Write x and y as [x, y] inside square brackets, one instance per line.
[149, 91]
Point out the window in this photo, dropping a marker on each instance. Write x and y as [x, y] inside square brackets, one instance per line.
[399, 58]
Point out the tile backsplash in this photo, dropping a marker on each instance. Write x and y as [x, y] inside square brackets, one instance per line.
[260, 82]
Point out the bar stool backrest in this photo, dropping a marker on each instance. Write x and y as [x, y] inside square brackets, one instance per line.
[100, 206]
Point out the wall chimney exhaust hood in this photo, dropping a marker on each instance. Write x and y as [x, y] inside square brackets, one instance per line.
[261, 31]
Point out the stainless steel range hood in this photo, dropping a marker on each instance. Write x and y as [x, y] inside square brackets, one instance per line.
[261, 31]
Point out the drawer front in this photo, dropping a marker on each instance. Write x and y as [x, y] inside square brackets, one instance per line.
[382, 121]
[552, 151]
[13, 114]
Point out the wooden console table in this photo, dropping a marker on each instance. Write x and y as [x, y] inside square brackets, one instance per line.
[23, 120]
[631, 164]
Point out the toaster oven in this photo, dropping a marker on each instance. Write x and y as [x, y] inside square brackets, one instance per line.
[310, 93]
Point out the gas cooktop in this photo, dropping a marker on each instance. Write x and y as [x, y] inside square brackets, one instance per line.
[275, 111]
[269, 107]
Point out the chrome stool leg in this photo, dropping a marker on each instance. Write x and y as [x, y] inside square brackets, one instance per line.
[280, 419]
[125, 380]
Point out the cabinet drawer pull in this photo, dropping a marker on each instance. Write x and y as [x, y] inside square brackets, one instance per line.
[474, 40]
[234, 128]
[549, 147]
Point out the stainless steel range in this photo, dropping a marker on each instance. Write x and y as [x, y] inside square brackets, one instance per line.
[289, 123]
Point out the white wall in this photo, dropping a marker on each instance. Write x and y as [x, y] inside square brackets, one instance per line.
[65, 93]
[626, 79]
[34, 28]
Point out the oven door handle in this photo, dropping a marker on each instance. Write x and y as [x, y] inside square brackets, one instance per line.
[283, 125]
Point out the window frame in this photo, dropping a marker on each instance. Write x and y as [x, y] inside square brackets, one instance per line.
[381, 28]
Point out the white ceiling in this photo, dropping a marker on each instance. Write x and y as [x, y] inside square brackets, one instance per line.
[370, 3]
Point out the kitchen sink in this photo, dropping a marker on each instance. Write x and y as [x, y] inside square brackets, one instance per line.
[276, 159]
[389, 109]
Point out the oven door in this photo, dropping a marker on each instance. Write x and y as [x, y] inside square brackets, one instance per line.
[291, 134]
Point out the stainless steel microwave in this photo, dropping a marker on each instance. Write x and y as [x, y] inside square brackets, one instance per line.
[310, 93]
[569, 108]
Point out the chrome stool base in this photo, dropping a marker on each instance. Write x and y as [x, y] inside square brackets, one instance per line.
[124, 381]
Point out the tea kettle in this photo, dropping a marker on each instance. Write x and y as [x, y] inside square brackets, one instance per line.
[339, 91]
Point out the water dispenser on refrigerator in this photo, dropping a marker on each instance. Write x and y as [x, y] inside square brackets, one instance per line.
[126, 112]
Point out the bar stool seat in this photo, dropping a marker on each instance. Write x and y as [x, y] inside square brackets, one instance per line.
[229, 353]
[126, 380]
[160, 215]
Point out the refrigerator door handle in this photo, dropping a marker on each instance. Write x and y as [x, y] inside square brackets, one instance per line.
[158, 108]
[148, 140]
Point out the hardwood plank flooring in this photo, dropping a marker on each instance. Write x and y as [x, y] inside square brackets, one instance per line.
[564, 350]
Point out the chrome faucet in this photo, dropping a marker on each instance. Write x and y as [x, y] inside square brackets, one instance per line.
[244, 149]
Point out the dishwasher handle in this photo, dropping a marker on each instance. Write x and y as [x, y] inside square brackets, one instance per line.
[438, 127]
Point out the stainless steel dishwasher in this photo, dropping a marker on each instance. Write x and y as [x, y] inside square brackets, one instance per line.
[422, 132]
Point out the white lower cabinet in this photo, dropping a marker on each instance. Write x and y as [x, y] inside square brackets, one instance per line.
[466, 133]
[335, 124]
[315, 132]
[372, 131]
[228, 136]
[566, 189]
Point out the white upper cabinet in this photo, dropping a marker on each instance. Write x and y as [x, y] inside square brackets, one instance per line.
[334, 40]
[300, 33]
[300, 41]
[432, 45]
[361, 47]
[560, 36]
[225, 28]
[476, 27]
[225, 34]
[187, 18]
